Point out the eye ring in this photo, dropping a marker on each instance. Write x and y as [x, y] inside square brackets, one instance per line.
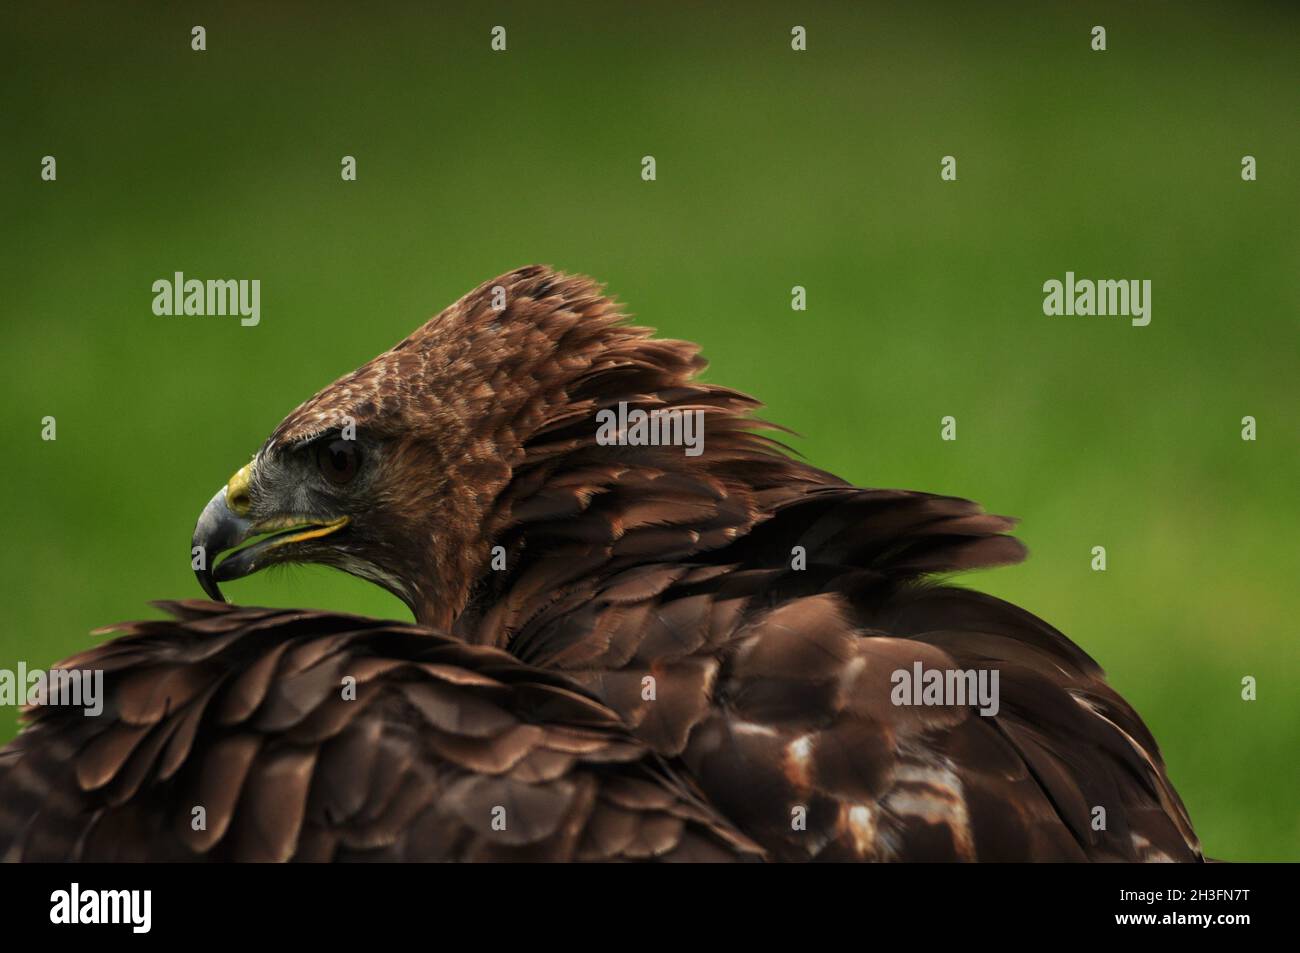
[338, 460]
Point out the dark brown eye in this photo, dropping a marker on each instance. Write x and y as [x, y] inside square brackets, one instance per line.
[337, 460]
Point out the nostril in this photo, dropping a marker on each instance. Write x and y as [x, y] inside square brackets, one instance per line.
[237, 495]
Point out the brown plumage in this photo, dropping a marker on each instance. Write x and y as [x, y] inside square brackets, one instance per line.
[240, 712]
[634, 651]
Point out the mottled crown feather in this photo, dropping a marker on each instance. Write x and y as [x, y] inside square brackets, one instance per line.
[503, 351]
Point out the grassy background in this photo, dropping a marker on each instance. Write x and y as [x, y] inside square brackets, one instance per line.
[775, 169]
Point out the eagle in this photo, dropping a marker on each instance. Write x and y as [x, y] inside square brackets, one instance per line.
[623, 649]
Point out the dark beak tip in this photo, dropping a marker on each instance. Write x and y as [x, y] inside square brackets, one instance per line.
[209, 585]
[216, 531]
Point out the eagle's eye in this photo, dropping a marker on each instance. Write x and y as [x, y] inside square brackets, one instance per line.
[337, 460]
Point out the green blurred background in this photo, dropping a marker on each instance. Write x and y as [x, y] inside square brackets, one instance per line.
[775, 168]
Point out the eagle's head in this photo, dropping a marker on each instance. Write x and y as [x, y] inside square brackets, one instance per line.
[412, 470]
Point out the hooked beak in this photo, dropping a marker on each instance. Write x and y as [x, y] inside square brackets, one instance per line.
[223, 525]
